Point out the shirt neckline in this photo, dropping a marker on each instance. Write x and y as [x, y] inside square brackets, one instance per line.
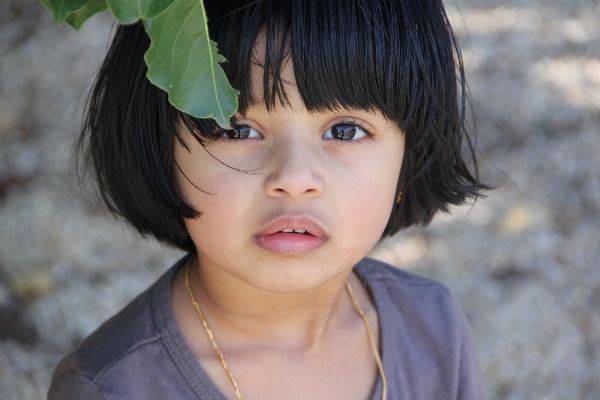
[193, 372]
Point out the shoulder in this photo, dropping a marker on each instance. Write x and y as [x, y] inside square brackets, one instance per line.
[116, 340]
[421, 321]
[402, 286]
[419, 302]
[124, 332]
[122, 346]
[74, 385]
[422, 307]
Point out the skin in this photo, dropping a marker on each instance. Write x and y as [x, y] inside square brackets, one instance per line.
[284, 322]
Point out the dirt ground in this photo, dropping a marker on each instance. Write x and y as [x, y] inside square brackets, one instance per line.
[524, 262]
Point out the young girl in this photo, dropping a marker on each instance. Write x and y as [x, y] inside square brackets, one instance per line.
[349, 128]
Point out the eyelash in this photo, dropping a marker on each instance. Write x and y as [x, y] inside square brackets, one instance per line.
[351, 122]
[357, 124]
[234, 127]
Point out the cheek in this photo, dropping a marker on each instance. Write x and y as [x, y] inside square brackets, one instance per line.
[371, 206]
[200, 177]
[215, 230]
[369, 200]
[220, 194]
[221, 211]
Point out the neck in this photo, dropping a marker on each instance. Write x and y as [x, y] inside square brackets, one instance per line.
[290, 319]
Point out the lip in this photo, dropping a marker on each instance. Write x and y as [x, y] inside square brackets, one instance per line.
[271, 238]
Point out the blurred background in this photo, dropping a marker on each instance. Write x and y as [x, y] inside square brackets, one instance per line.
[524, 262]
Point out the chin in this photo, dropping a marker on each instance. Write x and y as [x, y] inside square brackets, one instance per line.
[294, 277]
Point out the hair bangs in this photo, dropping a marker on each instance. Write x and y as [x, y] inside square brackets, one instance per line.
[365, 54]
[341, 55]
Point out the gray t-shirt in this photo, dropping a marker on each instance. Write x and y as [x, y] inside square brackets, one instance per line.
[426, 345]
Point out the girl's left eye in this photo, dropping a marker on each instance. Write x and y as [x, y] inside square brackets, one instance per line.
[345, 132]
[241, 132]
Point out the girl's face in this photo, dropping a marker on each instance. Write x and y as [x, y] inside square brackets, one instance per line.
[331, 174]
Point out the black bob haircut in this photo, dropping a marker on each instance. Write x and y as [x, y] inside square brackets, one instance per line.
[398, 56]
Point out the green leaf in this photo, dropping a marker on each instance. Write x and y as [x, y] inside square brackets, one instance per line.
[129, 11]
[60, 8]
[183, 61]
[92, 7]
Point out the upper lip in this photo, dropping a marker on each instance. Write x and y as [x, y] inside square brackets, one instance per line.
[304, 223]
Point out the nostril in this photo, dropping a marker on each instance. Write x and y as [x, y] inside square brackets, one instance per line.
[293, 179]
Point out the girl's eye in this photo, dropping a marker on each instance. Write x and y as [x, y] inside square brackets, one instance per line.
[345, 132]
[241, 132]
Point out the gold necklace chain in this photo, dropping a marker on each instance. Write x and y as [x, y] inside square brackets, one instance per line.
[222, 358]
[372, 340]
[209, 332]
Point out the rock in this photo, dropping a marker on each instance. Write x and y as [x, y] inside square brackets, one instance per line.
[33, 284]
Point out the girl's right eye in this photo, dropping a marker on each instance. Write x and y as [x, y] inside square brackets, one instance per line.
[241, 132]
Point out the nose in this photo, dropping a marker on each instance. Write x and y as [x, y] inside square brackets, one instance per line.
[293, 173]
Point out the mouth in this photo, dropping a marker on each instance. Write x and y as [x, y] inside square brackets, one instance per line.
[299, 231]
[291, 236]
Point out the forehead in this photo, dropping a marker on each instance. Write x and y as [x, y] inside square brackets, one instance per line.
[261, 82]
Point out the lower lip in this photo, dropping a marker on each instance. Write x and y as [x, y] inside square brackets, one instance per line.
[289, 243]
